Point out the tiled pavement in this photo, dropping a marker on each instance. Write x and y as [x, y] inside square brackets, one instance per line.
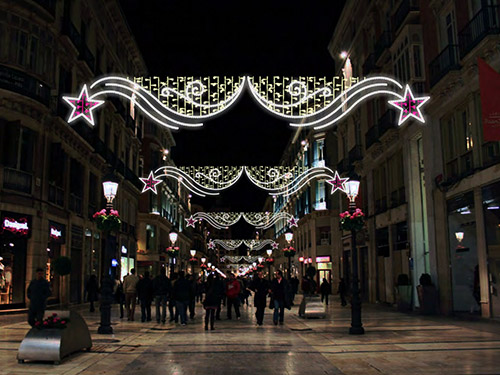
[394, 343]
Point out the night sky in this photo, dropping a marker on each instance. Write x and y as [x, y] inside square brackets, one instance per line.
[200, 38]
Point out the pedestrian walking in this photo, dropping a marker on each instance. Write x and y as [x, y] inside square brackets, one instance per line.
[342, 291]
[325, 289]
[280, 297]
[232, 293]
[182, 295]
[130, 290]
[162, 291]
[172, 308]
[145, 295]
[92, 289]
[38, 292]
[119, 294]
[260, 287]
[199, 290]
[214, 291]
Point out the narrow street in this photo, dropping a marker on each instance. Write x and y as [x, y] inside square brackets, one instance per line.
[394, 343]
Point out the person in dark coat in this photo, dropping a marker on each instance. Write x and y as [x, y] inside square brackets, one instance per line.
[213, 295]
[119, 294]
[92, 291]
[260, 287]
[182, 295]
[172, 308]
[145, 295]
[162, 288]
[280, 297]
[233, 288]
[342, 291]
[192, 296]
[325, 289]
[38, 292]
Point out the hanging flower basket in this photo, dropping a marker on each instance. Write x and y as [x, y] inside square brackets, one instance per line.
[270, 261]
[52, 321]
[354, 221]
[203, 266]
[173, 251]
[107, 222]
[289, 252]
[193, 261]
[260, 266]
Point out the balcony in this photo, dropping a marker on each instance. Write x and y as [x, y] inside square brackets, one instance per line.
[72, 33]
[387, 122]
[369, 64]
[484, 23]
[444, 63]
[404, 10]
[343, 166]
[355, 154]
[87, 56]
[14, 179]
[56, 195]
[48, 5]
[75, 204]
[383, 43]
[371, 136]
[19, 82]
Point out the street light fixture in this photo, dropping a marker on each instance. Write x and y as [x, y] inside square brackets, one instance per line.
[193, 253]
[269, 252]
[203, 260]
[352, 190]
[289, 238]
[173, 237]
[109, 189]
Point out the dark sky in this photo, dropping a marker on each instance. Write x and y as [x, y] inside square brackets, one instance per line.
[199, 38]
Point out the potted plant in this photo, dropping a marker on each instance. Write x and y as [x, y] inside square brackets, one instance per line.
[172, 251]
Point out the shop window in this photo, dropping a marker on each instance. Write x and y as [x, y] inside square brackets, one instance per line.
[462, 250]
[380, 186]
[320, 196]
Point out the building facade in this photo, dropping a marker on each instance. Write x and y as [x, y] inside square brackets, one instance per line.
[429, 188]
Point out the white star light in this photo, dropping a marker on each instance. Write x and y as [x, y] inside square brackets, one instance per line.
[82, 106]
[409, 106]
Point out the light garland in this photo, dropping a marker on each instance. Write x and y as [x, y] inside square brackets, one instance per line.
[277, 181]
[223, 220]
[253, 245]
[236, 258]
[185, 101]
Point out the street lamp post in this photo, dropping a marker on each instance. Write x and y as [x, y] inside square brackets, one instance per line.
[110, 188]
[289, 238]
[352, 189]
[173, 238]
[269, 254]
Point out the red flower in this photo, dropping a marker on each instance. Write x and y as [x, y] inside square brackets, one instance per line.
[63, 322]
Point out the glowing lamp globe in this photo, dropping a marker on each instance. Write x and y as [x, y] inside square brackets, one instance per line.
[203, 260]
[352, 189]
[110, 188]
[192, 252]
[289, 236]
[261, 259]
[269, 252]
[301, 259]
[459, 236]
[173, 236]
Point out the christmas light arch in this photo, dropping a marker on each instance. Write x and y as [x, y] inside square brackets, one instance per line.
[223, 220]
[185, 102]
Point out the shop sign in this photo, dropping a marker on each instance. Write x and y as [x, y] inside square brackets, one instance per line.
[124, 250]
[325, 259]
[16, 226]
[54, 233]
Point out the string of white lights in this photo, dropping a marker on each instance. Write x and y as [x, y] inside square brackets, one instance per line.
[253, 245]
[246, 258]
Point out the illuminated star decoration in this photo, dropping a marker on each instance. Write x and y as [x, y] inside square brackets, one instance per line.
[190, 221]
[409, 106]
[293, 222]
[82, 106]
[337, 183]
[211, 245]
[150, 183]
[274, 246]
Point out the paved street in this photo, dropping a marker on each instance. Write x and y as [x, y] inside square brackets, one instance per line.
[394, 343]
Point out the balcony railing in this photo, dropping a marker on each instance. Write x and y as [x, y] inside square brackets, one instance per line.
[371, 136]
[404, 9]
[383, 42]
[17, 81]
[14, 179]
[72, 33]
[56, 195]
[87, 56]
[355, 154]
[386, 122]
[75, 204]
[48, 5]
[445, 62]
[485, 22]
[370, 64]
